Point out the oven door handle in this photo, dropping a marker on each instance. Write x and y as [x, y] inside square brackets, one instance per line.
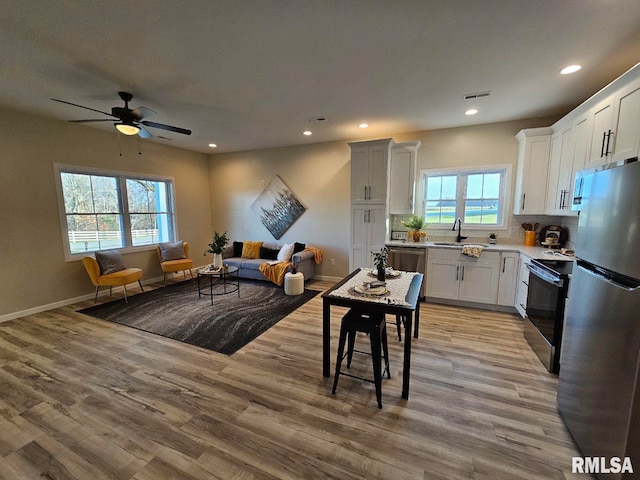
[558, 282]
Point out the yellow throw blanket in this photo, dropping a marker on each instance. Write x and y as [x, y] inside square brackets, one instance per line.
[317, 253]
[275, 272]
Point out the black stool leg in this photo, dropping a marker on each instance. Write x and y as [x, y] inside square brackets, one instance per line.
[385, 349]
[341, 342]
[398, 326]
[376, 355]
[351, 345]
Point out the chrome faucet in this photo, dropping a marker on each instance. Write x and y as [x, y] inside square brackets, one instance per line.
[458, 222]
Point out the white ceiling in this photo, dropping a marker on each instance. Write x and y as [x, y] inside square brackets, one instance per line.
[250, 74]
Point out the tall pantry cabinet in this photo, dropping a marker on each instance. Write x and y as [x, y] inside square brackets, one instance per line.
[369, 178]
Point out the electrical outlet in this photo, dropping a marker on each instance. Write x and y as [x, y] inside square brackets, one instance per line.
[333, 262]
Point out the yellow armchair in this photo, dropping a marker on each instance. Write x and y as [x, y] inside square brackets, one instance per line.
[179, 265]
[115, 279]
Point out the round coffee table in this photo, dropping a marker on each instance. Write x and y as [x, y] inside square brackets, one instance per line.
[221, 282]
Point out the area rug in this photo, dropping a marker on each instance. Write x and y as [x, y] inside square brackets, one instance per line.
[176, 312]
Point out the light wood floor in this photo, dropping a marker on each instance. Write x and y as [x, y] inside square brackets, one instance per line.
[82, 398]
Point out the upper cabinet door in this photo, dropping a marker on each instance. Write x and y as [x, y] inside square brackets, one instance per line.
[531, 172]
[627, 123]
[378, 158]
[602, 134]
[402, 173]
[359, 175]
[369, 164]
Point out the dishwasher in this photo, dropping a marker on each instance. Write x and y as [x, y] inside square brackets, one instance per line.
[409, 259]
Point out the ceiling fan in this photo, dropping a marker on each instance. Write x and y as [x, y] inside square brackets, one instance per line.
[127, 121]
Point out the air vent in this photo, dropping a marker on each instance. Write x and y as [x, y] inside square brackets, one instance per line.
[317, 119]
[471, 96]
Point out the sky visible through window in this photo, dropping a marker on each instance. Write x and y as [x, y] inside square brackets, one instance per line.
[475, 197]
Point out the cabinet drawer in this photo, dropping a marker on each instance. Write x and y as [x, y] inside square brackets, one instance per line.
[455, 254]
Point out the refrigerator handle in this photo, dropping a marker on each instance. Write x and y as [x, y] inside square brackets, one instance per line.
[612, 278]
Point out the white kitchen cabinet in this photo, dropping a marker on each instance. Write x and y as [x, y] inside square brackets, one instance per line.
[507, 286]
[523, 285]
[531, 172]
[626, 142]
[601, 133]
[369, 164]
[402, 176]
[614, 134]
[368, 230]
[560, 176]
[453, 276]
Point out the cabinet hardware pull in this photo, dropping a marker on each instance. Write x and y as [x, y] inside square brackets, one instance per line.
[462, 279]
[524, 196]
[563, 194]
[604, 137]
[504, 263]
[606, 151]
[457, 272]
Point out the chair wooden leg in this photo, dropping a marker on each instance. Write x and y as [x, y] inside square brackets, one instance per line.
[140, 283]
[165, 279]
[95, 300]
[191, 273]
[125, 294]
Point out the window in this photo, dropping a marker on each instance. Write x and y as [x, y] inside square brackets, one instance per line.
[106, 210]
[474, 195]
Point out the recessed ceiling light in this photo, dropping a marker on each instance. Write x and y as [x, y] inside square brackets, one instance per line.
[570, 69]
[363, 125]
[307, 132]
[471, 111]
[213, 145]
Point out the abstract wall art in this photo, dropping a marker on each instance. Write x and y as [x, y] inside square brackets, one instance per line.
[277, 207]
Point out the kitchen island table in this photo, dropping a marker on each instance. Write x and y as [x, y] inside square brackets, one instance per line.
[402, 299]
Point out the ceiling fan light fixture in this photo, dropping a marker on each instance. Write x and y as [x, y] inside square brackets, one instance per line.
[127, 129]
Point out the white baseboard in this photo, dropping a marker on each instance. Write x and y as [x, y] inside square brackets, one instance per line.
[63, 303]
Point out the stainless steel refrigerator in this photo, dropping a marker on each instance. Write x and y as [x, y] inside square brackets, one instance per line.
[599, 390]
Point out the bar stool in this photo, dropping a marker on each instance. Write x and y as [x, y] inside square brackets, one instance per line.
[376, 327]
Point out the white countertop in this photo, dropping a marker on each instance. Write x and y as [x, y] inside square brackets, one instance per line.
[533, 252]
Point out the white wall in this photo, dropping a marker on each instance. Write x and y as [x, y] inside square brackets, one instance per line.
[34, 272]
[317, 174]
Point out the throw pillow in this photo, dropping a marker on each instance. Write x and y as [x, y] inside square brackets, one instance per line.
[110, 261]
[237, 249]
[268, 253]
[172, 251]
[251, 249]
[285, 252]
[298, 247]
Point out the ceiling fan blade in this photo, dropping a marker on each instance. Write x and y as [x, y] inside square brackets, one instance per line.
[141, 112]
[162, 126]
[82, 106]
[143, 132]
[94, 120]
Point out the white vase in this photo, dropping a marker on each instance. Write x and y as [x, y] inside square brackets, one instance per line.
[217, 260]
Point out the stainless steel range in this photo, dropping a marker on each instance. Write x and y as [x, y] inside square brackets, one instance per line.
[548, 286]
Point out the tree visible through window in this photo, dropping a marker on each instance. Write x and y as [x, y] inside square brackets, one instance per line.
[113, 211]
[477, 197]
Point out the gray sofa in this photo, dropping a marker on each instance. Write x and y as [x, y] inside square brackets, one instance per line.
[303, 262]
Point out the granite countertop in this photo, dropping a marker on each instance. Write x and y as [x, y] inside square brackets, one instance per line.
[533, 252]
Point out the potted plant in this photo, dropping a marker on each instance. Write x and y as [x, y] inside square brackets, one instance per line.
[380, 261]
[416, 225]
[216, 246]
[493, 238]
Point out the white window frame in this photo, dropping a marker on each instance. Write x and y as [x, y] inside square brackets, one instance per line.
[504, 200]
[121, 178]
